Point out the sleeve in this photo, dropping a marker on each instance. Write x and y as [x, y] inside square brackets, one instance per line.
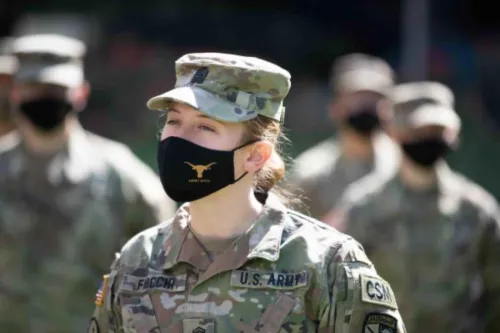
[106, 318]
[490, 271]
[357, 299]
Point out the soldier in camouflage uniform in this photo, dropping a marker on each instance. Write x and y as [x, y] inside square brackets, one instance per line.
[323, 172]
[234, 258]
[432, 233]
[8, 66]
[69, 199]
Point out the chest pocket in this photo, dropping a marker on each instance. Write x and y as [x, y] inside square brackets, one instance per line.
[141, 296]
[269, 302]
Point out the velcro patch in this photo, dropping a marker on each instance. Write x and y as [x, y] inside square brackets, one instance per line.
[380, 323]
[171, 283]
[93, 326]
[377, 291]
[101, 293]
[272, 280]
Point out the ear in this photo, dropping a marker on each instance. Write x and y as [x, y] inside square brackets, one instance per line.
[452, 137]
[259, 154]
[79, 96]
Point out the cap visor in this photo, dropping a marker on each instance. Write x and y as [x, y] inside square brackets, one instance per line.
[204, 101]
[434, 115]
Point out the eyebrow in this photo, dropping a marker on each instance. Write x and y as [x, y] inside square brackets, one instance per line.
[201, 115]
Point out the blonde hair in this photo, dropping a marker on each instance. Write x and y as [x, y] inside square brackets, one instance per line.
[267, 179]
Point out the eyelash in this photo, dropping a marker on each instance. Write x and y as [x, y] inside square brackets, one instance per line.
[203, 127]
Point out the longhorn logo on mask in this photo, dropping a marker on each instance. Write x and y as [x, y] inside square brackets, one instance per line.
[200, 169]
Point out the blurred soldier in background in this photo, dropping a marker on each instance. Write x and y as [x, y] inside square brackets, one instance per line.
[68, 198]
[432, 233]
[8, 66]
[323, 172]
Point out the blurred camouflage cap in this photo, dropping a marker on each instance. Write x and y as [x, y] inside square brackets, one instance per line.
[227, 87]
[50, 58]
[361, 72]
[8, 62]
[425, 103]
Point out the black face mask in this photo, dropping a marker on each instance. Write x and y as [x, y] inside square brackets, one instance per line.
[46, 113]
[189, 172]
[426, 152]
[364, 121]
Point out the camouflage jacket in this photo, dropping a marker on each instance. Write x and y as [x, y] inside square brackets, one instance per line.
[322, 173]
[439, 249]
[62, 218]
[287, 273]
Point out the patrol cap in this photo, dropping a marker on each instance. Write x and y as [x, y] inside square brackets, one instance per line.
[426, 90]
[419, 104]
[227, 87]
[361, 72]
[49, 58]
[8, 62]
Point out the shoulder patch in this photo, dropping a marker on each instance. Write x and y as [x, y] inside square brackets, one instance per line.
[101, 293]
[380, 323]
[377, 291]
[93, 326]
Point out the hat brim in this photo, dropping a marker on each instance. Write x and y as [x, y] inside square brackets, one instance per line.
[64, 75]
[365, 80]
[434, 115]
[204, 101]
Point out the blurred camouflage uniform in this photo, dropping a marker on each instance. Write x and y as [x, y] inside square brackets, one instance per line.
[8, 66]
[63, 216]
[287, 273]
[440, 247]
[322, 173]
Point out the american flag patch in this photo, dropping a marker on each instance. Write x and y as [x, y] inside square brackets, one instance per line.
[101, 293]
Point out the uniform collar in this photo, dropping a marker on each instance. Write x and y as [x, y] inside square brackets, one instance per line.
[262, 240]
[73, 163]
[445, 180]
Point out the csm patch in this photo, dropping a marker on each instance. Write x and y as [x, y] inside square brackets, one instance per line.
[380, 323]
[374, 290]
[101, 293]
[93, 326]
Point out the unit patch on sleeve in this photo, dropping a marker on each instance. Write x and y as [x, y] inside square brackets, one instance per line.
[380, 323]
[377, 291]
[93, 326]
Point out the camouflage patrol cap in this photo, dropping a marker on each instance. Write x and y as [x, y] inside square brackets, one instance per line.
[227, 87]
[8, 62]
[419, 104]
[362, 72]
[50, 58]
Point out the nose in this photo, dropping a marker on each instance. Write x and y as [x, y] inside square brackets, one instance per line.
[178, 131]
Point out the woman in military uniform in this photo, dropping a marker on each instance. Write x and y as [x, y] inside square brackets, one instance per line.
[235, 258]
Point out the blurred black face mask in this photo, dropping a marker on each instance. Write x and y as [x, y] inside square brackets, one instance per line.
[426, 152]
[46, 113]
[364, 121]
